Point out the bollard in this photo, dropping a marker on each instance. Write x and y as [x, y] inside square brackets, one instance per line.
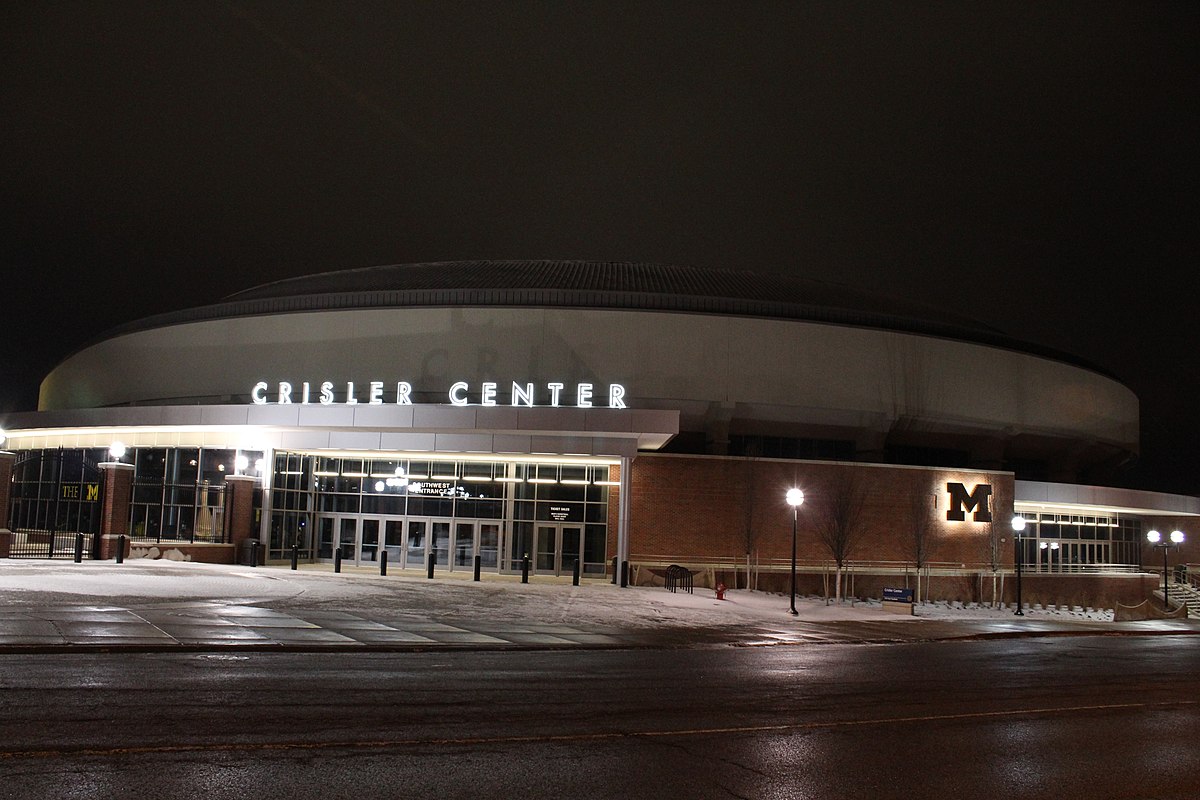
[624, 574]
[575, 574]
[254, 552]
[78, 548]
[121, 549]
[478, 563]
[525, 569]
[383, 563]
[295, 555]
[615, 571]
[337, 560]
[429, 569]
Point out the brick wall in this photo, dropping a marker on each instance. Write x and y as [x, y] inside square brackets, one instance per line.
[723, 508]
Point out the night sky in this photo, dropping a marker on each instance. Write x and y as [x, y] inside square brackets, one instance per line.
[1032, 165]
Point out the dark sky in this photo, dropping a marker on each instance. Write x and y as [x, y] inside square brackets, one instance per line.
[1032, 165]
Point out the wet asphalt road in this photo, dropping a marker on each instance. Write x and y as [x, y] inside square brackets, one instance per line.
[1087, 717]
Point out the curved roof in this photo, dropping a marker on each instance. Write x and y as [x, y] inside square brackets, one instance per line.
[594, 284]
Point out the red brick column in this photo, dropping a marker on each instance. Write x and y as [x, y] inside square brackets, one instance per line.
[239, 509]
[116, 494]
[6, 469]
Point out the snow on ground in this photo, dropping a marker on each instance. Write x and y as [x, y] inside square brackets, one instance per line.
[449, 596]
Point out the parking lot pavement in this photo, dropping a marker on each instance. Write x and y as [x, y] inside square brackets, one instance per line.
[52, 606]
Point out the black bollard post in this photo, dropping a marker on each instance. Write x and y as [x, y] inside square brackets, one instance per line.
[624, 574]
[575, 574]
[254, 552]
[478, 563]
[295, 555]
[383, 563]
[429, 569]
[121, 549]
[525, 569]
[337, 560]
[615, 570]
[78, 548]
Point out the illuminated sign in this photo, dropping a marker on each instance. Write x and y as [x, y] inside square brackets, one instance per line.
[437, 489]
[977, 500]
[554, 394]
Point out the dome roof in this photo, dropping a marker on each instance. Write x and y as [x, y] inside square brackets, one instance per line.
[595, 285]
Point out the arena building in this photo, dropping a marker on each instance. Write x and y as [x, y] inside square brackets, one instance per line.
[625, 417]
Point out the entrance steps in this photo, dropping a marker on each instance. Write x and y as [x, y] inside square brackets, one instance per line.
[1186, 594]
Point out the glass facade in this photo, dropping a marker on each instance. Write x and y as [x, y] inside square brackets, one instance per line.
[418, 509]
[178, 494]
[1079, 543]
[55, 494]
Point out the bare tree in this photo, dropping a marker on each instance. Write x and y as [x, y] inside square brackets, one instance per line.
[839, 519]
[993, 554]
[920, 521]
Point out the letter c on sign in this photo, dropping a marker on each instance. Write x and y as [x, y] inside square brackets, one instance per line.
[258, 393]
[458, 394]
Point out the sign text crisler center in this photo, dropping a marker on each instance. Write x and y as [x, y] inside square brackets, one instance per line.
[553, 394]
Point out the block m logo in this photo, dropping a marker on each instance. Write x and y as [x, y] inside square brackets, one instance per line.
[962, 501]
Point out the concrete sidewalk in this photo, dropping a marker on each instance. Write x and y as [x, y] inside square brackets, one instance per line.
[54, 606]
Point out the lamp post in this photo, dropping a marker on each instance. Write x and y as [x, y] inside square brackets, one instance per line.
[1155, 539]
[1018, 524]
[794, 498]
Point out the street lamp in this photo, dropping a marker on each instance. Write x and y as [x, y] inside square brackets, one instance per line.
[1155, 539]
[794, 498]
[1018, 524]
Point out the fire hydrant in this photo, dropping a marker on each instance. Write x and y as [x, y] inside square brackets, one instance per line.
[720, 591]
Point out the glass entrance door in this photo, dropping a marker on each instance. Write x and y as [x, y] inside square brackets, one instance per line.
[465, 545]
[558, 547]
[325, 529]
[409, 541]
[489, 544]
[348, 538]
[417, 542]
[368, 547]
[427, 537]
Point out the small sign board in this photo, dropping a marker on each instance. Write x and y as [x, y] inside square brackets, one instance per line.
[898, 601]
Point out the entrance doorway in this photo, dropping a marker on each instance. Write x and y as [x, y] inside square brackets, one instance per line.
[409, 541]
[559, 546]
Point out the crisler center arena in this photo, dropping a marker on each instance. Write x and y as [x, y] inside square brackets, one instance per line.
[548, 417]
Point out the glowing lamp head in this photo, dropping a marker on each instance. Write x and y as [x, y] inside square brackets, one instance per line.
[116, 449]
[1018, 523]
[794, 497]
[240, 462]
[1177, 537]
[1153, 537]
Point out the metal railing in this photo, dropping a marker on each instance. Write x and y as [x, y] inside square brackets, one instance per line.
[35, 543]
[877, 566]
